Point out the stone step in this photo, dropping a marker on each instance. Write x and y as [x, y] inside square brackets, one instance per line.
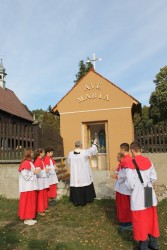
[104, 184]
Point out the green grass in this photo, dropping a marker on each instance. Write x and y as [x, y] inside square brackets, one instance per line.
[68, 228]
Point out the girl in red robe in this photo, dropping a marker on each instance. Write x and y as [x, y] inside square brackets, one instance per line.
[42, 199]
[52, 177]
[27, 187]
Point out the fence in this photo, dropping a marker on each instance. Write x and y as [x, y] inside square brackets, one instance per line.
[14, 138]
[154, 139]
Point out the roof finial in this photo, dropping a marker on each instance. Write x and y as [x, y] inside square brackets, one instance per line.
[1, 58]
[94, 59]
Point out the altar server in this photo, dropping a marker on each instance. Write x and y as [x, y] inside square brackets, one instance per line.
[144, 219]
[120, 158]
[81, 181]
[123, 195]
[27, 187]
[42, 198]
[52, 177]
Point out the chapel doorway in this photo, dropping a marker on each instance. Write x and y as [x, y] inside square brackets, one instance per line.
[97, 130]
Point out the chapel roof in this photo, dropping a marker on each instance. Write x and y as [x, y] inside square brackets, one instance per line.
[137, 103]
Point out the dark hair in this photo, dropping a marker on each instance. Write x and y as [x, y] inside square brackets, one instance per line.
[48, 150]
[37, 153]
[125, 146]
[135, 146]
[27, 154]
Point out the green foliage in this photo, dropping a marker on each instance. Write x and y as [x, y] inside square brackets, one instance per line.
[83, 69]
[49, 108]
[156, 114]
[158, 98]
[46, 118]
[142, 120]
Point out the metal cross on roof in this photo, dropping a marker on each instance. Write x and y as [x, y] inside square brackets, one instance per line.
[94, 60]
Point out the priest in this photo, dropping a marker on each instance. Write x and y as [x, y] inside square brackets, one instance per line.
[81, 181]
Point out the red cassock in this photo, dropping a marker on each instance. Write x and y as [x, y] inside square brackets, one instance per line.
[42, 198]
[28, 199]
[27, 205]
[145, 221]
[123, 207]
[52, 190]
[122, 200]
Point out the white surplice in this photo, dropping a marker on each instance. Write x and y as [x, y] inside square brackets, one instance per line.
[52, 176]
[120, 185]
[136, 189]
[28, 180]
[80, 171]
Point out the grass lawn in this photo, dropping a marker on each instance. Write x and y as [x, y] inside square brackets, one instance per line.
[66, 227]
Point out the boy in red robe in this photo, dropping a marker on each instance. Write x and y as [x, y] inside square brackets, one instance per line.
[123, 194]
[144, 218]
[120, 158]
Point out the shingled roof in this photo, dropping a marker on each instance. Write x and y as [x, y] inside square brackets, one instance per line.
[11, 104]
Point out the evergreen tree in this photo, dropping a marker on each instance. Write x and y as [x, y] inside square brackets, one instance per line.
[49, 108]
[83, 69]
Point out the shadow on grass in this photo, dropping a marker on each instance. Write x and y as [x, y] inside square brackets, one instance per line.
[38, 244]
[109, 208]
[60, 246]
[8, 236]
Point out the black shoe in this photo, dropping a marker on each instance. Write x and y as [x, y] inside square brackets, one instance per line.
[152, 248]
[52, 203]
[122, 228]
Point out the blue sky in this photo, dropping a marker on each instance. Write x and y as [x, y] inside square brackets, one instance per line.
[42, 42]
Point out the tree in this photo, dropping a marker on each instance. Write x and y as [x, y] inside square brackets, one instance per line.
[49, 108]
[142, 121]
[158, 98]
[46, 118]
[83, 69]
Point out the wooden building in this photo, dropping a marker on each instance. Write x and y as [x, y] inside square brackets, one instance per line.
[16, 130]
[95, 107]
[12, 111]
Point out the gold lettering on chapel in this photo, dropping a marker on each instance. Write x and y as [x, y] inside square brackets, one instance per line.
[94, 94]
[92, 86]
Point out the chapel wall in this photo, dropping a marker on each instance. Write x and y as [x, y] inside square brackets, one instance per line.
[120, 129]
